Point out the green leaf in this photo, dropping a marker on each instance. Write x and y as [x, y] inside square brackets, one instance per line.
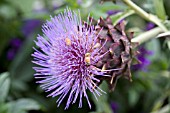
[118, 17]
[165, 109]
[133, 97]
[21, 66]
[168, 43]
[26, 6]
[28, 104]
[72, 3]
[100, 10]
[22, 105]
[7, 11]
[23, 55]
[160, 101]
[155, 46]
[109, 6]
[4, 86]
[3, 108]
[159, 8]
[165, 74]
[102, 105]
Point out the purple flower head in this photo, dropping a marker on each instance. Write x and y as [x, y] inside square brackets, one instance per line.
[11, 54]
[79, 2]
[15, 44]
[66, 56]
[29, 26]
[149, 26]
[114, 106]
[142, 57]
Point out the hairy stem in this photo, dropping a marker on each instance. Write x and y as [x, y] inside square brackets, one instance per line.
[147, 35]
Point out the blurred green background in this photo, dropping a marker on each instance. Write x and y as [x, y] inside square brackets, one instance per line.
[20, 22]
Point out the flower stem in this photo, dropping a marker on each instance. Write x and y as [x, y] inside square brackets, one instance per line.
[147, 35]
[145, 15]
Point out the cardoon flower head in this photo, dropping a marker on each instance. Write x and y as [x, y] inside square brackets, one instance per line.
[66, 56]
[121, 51]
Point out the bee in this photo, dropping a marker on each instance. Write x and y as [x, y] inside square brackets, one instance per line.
[87, 58]
[68, 41]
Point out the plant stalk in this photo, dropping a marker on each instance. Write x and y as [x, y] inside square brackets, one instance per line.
[147, 35]
[145, 15]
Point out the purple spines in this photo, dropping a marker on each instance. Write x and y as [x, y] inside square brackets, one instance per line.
[65, 56]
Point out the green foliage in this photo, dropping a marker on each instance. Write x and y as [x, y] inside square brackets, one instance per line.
[102, 105]
[120, 16]
[22, 106]
[23, 5]
[159, 8]
[4, 86]
[103, 8]
[18, 106]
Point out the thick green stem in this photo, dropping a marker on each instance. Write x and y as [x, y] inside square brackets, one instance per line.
[147, 35]
[145, 15]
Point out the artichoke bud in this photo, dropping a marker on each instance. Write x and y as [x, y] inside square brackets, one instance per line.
[120, 53]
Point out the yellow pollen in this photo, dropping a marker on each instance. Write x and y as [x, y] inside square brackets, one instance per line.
[87, 58]
[68, 41]
[104, 67]
[111, 51]
[97, 45]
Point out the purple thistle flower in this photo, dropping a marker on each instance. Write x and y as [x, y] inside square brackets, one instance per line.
[149, 26]
[114, 106]
[66, 57]
[15, 44]
[11, 54]
[142, 57]
[29, 26]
